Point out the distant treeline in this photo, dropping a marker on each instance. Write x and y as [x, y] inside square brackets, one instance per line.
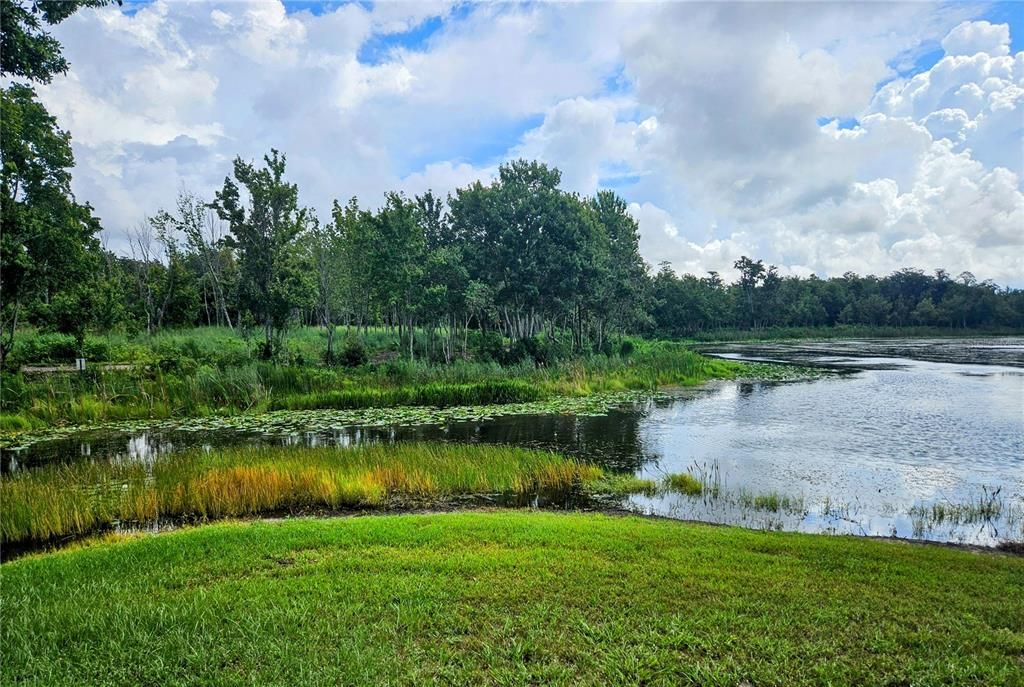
[688, 305]
[518, 257]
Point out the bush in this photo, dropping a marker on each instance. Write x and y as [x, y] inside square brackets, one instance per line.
[487, 347]
[44, 348]
[353, 353]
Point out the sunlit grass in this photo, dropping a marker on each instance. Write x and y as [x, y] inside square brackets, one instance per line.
[79, 498]
[510, 598]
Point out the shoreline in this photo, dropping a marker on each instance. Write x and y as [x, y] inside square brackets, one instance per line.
[1013, 549]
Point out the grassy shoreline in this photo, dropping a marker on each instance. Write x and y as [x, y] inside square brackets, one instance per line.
[199, 388]
[510, 597]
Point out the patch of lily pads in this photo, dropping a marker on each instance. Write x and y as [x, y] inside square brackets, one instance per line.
[288, 422]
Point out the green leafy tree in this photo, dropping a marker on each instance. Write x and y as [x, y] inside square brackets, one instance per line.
[326, 257]
[264, 225]
[396, 261]
[26, 49]
[621, 292]
[48, 249]
[48, 243]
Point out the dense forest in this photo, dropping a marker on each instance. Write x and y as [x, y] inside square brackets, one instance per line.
[517, 260]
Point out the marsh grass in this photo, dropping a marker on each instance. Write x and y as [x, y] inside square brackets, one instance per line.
[684, 483]
[987, 506]
[772, 502]
[182, 377]
[79, 498]
[437, 394]
[620, 485]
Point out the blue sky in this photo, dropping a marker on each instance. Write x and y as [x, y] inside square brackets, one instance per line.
[823, 137]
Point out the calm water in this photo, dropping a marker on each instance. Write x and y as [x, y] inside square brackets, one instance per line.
[907, 426]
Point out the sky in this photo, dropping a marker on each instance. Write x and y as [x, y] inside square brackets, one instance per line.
[821, 137]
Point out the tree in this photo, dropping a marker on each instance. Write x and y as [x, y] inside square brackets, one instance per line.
[622, 290]
[48, 240]
[326, 257]
[26, 49]
[263, 231]
[396, 262]
[752, 274]
[155, 258]
[204, 236]
[48, 243]
[924, 312]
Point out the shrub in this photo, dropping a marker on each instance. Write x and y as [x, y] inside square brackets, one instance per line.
[353, 353]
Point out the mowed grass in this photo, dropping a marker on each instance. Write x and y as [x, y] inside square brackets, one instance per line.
[79, 498]
[510, 598]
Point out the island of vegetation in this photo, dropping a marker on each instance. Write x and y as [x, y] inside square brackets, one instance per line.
[510, 294]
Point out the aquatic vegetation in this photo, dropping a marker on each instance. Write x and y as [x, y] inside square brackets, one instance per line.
[176, 385]
[771, 501]
[684, 483]
[618, 485]
[986, 507]
[709, 474]
[82, 497]
[437, 394]
[287, 422]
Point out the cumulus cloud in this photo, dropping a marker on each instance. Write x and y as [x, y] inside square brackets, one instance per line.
[706, 117]
[928, 175]
[972, 37]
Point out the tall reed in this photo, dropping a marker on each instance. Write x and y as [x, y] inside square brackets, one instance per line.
[78, 498]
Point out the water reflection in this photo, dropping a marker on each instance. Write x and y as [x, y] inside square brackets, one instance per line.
[858, 451]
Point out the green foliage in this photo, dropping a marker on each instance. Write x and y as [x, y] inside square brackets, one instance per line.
[439, 395]
[354, 353]
[26, 49]
[213, 371]
[619, 485]
[762, 303]
[263, 231]
[47, 242]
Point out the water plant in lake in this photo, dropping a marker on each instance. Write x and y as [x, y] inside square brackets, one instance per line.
[287, 422]
[987, 508]
[181, 387]
[772, 502]
[78, 498]
[684, 483]
[618, 485]
[700, 478]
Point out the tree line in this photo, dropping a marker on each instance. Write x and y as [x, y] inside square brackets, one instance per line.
[517, 259]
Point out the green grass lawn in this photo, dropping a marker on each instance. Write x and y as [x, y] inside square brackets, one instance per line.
[510, 598]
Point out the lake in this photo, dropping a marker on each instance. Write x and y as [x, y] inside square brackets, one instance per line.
[916, 439]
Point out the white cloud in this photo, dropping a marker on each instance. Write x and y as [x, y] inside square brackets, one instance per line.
[972, 37]
[930, 177]
[704, 116]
